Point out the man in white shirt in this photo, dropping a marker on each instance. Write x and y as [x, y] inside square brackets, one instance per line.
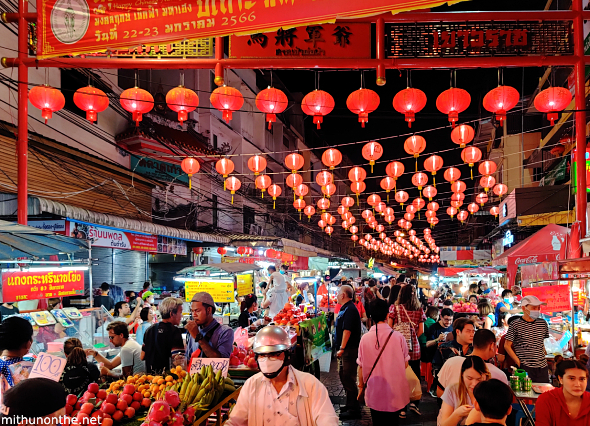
[130, 357]
[280, 394]
[484, 346]
[275, 294]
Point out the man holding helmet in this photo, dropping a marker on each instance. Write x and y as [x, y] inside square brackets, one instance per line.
[280, 394]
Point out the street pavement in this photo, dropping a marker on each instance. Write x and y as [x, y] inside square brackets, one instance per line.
[428, 406]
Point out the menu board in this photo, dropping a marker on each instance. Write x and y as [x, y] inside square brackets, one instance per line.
[222, 291]
[557, 297]
[20, 285]
[245, 284]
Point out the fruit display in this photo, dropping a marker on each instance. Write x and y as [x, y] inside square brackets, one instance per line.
[242, 356]
[204, 389]
[465, 307]
[325, 299]
[150, 386]
[290, 315]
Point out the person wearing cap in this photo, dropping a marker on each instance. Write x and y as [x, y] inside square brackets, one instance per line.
[161, 339]
[280, 394]
[49, 405]
[525, 340]
[207, 338]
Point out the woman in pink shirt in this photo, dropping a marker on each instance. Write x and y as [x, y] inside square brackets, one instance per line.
[385, 394]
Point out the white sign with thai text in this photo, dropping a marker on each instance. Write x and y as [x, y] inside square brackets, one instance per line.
[217, 364]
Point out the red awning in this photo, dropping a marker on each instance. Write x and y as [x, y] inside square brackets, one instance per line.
[543, 246]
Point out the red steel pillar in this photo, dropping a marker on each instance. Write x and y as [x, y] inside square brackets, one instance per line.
[22, 147]
[379, 46]
[580, 106]
[219, 78]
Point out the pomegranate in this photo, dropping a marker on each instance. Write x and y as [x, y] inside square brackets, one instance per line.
[172, 398]
[130, 412]
[234, 361]
[107, 422]
[127, 398]
[82, 418]
[129, 389]
[69, 409]
[108, 408]
[93, 387]
[71, 399]
[112, 398]
[146, 402]
[137, 396]
[87, 408]
[136, 405]
[122, 405]
[253, 364]
[101, 394]
[88, 396]
[118, 416]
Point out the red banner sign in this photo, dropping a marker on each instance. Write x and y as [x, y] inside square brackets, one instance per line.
[31, 285]
[67, 27]
[326, 41]
[557, 297]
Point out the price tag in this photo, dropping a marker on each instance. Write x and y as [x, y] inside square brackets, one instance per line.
[48, 367]
[217, 364]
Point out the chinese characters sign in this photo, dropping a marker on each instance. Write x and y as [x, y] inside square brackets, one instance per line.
[32, 285]
[71, 27]
[478, 39]
[327, 40]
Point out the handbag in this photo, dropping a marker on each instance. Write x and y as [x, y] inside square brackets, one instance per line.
[361, 396]
[405, 328]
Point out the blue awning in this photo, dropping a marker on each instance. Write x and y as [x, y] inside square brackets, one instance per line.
[25, 241]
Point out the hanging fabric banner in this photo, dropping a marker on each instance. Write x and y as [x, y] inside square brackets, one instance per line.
[73, 27]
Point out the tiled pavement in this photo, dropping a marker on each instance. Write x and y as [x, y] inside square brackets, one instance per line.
[428, 405]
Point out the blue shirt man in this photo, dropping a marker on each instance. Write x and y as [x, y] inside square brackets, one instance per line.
[206, 337]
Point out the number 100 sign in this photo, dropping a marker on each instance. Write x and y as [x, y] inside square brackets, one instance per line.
[48, 367]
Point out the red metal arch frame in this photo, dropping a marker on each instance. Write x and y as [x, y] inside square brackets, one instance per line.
[380, 64]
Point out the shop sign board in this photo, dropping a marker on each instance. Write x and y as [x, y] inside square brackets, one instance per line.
[70, 27]
[171, 245]
[322, 41]
[58, 226]
[216, 363]
[557, 297]
[22, 285]
[222, 291]
[456, 39]
[113, 238]
[532, 273]
[245, 284]
[159, 170]
[508, 238]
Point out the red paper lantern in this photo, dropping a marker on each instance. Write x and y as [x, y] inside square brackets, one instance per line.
[227, 100]
[387, 184]
[452, 102]
[389, 218]
[91, 100]
[500, 100]
[410, 208]
[271, 101]
[462, 135]
[331, 220]
[233, 184]
[299, 204]
[471, 155]
[495, 211]
[198, 250]
[395, 169]
[419, 179]
[463, 215]
[457, 196]
[294, 162]
[366, 214]
[433, 206]
[432, 220]
[329, 230]
[552, 100]
[137, 101]
[294, 180]
[182, 100]
[380, 207]
[401, 223]
[487, 182]
[262, 182]
[329, 190]
[190, 166]
[224, 166]
[342, 210]
[373, 200]
[241, 250]
[271, 253]
[354, 237]
[351, 220]
[419, 203]
[487, 167]
[429, 214]
[47, 99]
[433, 164]
[318, 104]
[458, 186]
[408, 102]
[452, 174]
[358, 187]
[451, 211]
[500, 189]
[414, 145]
[401, 197]
[409, 216]
[301, 190]
[362, 102]
[456, 204]
[347, 201]
[481, 198]
[473, 208]
[324, 178]
[323, 204]
[331, 158]
[274, 191]
[372, 151]
[357, 174]
[257, 164]
[354, 229]
[380, 228]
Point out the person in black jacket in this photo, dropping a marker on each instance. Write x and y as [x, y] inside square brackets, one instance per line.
[78, 373]
[249, 316]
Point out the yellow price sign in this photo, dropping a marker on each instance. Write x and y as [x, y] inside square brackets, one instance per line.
[222, 291]
[245, 284]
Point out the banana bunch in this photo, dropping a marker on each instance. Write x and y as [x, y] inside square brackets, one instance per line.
[203, 389]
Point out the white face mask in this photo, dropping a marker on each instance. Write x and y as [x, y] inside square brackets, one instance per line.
[534, 314]
[269, 366]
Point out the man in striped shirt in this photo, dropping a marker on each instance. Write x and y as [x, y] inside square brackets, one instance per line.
[525, 340]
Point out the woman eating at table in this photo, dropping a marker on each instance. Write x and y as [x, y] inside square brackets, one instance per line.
[569, 404]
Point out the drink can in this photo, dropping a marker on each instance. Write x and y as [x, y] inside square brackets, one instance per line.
[528, 384]
[514, 383]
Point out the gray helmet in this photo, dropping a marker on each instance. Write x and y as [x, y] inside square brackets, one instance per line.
[271, 339]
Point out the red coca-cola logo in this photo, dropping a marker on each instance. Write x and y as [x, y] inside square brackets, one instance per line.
[525, 260]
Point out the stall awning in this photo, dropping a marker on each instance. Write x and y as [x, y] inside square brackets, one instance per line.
[479, 271]
[230, 268]
[26, 241]
[301, 249]
[43, 205]
[544, 245]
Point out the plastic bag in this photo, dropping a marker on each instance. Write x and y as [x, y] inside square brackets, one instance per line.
[552, 346]
[414, 383]
[325, 361]
[241, 337]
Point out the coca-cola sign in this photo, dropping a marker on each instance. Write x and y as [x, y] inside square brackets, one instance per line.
[526, 260]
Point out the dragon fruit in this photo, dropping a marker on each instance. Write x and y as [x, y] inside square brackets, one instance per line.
[189, 415]
[172, 398]
[160, 412]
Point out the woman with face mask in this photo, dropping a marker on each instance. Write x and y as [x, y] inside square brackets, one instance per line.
[280, 394]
